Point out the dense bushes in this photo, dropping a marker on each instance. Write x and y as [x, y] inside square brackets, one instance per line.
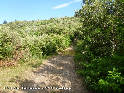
[46, 44]
[104, 74]
[100, 47]
[6, 47]
[38, 38]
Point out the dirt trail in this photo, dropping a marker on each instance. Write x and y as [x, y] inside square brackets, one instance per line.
[56, 72]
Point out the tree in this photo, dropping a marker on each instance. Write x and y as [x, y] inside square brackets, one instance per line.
[100, 21]
[5, 22]
[101, 44]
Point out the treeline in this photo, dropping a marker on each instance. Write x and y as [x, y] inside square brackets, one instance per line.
[100, 45]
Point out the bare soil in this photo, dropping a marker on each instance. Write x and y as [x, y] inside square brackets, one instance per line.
[56, 75]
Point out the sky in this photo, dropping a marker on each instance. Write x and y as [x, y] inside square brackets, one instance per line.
[36, 9]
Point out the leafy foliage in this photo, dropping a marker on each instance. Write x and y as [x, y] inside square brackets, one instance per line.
[100, 47]
[40, 38]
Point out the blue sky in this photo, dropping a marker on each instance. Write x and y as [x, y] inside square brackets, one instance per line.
[36, 9]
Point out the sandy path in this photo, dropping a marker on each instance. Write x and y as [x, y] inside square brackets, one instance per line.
[56, 72]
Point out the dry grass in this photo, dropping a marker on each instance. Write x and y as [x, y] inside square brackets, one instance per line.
[8, 74]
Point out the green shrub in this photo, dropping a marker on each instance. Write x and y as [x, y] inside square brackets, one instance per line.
[100, 45]
[40, 38]
[6, 46]
[46, 44]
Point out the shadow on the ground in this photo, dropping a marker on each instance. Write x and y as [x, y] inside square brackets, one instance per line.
[59, 72]
[29, 86]
[3, 92]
